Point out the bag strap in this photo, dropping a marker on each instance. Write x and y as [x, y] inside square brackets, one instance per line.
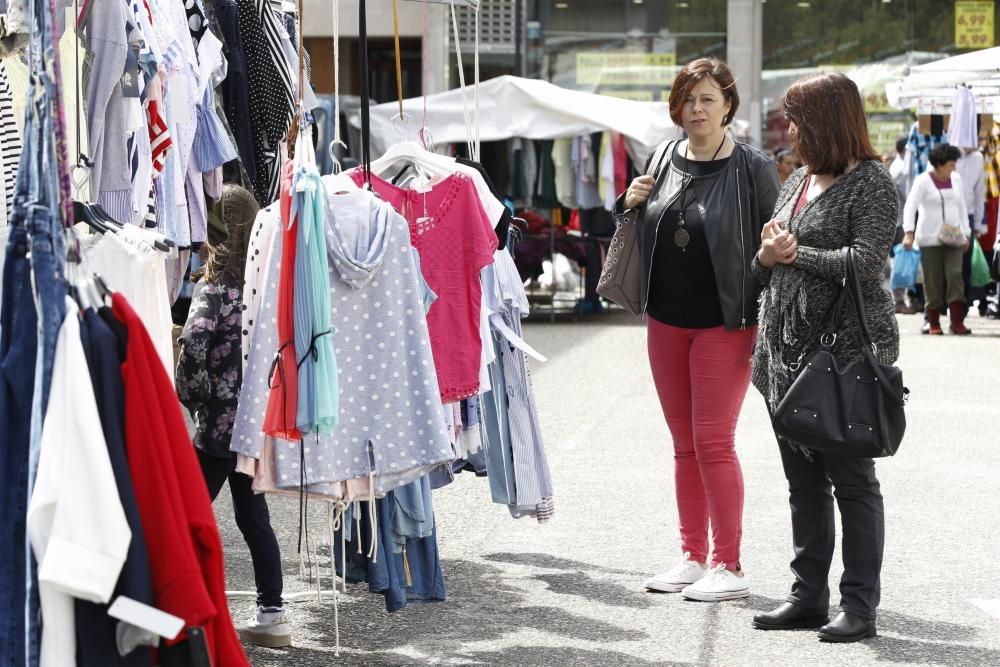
[853, 281]
[868, 347]
[657, 160]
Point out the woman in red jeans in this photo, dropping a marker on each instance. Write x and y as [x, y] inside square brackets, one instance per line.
[699, 222]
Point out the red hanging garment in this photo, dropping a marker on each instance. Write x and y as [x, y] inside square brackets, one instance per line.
[281, 417]
[182, 538]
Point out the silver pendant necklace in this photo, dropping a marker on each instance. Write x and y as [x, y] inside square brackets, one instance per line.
[681, 236]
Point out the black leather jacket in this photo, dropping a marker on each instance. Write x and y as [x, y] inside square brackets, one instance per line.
[750, 183]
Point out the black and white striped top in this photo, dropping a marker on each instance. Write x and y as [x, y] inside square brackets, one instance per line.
[10, 141]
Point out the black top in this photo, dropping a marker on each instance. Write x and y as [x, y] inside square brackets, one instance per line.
[682, 289]
[501, 226]
[234, 88]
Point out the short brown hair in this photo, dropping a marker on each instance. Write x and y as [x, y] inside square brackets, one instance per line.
[691, 75]
[830, 121]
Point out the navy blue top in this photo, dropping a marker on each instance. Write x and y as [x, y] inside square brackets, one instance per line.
[95, 630]
[235, 88]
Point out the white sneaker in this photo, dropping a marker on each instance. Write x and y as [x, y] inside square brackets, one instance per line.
[719, 584]
[267, 628]
[678, 577]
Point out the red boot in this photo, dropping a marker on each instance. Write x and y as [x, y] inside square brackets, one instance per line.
[934, 320]
[957, 314]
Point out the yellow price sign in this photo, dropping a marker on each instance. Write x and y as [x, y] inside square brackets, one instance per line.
[974, 24]
[630, 69]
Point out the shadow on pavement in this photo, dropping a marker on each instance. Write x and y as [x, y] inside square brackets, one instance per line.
[907, 651]
[553, 563]
[904, 624]
[544, 656]
[481, 608]
[596, 590]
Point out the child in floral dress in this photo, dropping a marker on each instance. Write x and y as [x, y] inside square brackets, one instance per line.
[209, 377]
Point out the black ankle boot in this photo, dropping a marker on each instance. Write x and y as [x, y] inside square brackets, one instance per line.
[847, 628]
[788, 616]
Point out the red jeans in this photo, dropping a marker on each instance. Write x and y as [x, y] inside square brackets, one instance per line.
[702, 376]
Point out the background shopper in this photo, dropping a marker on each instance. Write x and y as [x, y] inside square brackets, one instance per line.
[209, 377]
[843, 197]
[699, 227]
[935, 204]
[786, 162]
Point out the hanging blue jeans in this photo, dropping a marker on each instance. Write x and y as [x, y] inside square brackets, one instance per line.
[40, 211]
[18, 355]
[18, 342]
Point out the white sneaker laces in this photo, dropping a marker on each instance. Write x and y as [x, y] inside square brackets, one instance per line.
[717, 574]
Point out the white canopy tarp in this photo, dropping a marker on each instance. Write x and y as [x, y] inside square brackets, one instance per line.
[931, 87]
[512, 107]
[984, 61]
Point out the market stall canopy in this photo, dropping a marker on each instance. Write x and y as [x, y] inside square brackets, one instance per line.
[527, 108]
[986, 61]
[931, 87]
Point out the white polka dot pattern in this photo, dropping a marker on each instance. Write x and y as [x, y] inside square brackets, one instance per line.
[388, 385]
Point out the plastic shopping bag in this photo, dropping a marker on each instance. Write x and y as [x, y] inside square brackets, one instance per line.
[980, 267]
[905, 267]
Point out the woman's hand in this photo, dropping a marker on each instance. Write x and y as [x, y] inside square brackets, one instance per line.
[638, 193]
[966, 245]
[908, 241]
[778, 246]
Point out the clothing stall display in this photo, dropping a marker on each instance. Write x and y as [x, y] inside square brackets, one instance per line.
[380, 349]
[389, 426]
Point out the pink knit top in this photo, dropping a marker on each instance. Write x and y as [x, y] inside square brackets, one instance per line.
[455, 240]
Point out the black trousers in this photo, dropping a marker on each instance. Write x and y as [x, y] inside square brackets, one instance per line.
[812, 487]
[253, 520]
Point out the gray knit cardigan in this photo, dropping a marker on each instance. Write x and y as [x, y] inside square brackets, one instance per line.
[859, 210]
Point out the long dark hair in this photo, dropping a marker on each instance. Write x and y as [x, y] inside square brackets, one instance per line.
[238, 209]
[830, 119]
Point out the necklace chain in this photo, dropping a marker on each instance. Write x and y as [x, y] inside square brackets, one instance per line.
[681, 235]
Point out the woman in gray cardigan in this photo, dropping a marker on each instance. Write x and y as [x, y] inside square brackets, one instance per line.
[843, 197]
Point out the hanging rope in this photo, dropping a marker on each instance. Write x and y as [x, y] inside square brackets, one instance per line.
[399, 57]
[461, 79]
[475, 155]
[83, 163]
[424, 133]
[337, 139]
[299, 119]
[366, 147]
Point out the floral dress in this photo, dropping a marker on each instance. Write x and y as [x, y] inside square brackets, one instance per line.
[209, 368]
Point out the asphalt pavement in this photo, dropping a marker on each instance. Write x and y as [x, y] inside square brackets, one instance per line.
[571, 592]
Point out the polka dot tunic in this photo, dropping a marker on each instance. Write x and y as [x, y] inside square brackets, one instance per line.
[390, 412]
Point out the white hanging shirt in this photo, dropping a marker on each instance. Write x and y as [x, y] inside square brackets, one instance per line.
[76, 524]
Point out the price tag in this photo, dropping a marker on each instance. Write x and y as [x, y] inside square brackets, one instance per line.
[148, 618]
[974, 27]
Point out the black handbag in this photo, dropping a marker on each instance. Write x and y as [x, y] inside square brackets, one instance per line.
[851, 409]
